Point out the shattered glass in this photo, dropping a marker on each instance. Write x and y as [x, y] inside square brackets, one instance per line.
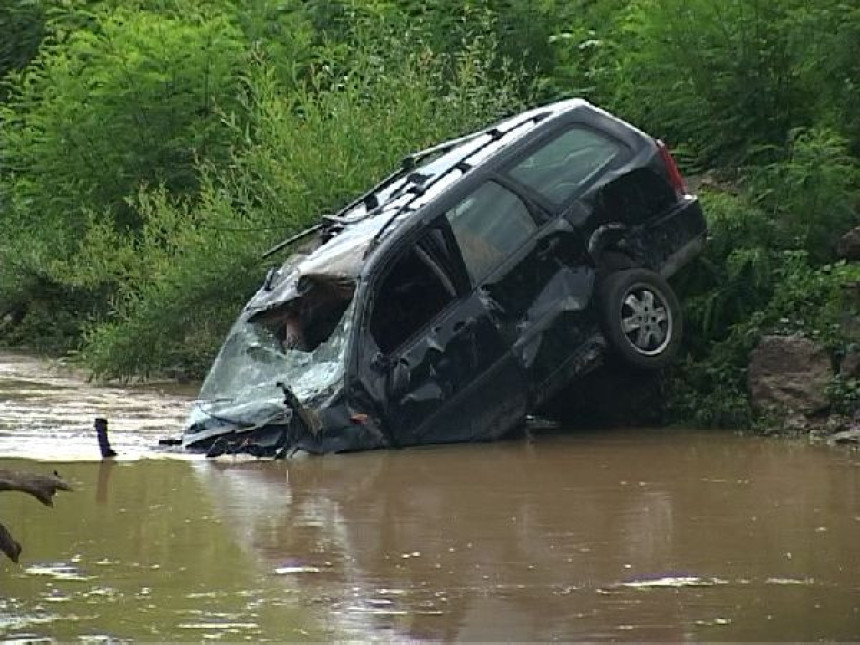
[242, 386]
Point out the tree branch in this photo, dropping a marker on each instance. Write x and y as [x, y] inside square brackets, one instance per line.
[42, 487]
[8, 545]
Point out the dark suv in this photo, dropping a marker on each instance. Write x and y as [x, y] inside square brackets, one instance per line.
[461, 293]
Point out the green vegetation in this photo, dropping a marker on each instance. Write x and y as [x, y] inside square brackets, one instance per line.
[151, 150]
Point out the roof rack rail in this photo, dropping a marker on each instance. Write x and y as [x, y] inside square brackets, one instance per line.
[408, 165]
[495, 135]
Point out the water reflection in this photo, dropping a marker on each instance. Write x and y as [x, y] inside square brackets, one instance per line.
[631, 536]
[638, 535]
[105, 468]
[135, 552]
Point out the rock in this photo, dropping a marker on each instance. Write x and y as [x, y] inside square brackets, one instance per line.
[789, 375]
[795, 424]
[846, 436]
[850, 367]
[848, 246]
[829, 426]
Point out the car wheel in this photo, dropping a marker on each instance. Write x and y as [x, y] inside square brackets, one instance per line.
[641, 317]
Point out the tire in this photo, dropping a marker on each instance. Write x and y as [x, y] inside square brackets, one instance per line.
[641, 317]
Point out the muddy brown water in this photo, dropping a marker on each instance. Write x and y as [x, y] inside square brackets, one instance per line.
[633, 535]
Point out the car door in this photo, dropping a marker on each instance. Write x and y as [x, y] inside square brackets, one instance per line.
[529, 271]
[449, 375]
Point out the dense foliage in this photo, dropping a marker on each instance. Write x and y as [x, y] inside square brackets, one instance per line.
[151, 150]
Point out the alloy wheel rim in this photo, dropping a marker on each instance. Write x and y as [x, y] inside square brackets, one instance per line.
[646, 320]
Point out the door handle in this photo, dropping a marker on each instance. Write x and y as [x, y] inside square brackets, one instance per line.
[547, 247]
[400, 377]
[463, 326]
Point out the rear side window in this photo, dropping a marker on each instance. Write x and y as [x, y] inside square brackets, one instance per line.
[558, 169]
[489, 225]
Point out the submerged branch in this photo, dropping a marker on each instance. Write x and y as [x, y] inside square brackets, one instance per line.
[42, 487]
[8, 545]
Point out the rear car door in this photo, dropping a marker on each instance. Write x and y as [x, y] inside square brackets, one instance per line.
[529, 273]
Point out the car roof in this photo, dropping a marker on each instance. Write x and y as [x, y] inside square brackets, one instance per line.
[425, 176]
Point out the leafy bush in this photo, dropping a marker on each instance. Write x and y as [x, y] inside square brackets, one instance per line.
[126, 98]
[818, 302]
[734, 277]
[184, 275]
[762, 273]
[22, 23]
[137, 99]
[813, 194]
[721, 78]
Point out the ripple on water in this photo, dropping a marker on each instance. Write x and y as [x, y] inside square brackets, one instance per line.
[672, 582]
[47, 414]
[12, 619]
[790, 581]
[214, 624]
[58, 571]
[282, 571]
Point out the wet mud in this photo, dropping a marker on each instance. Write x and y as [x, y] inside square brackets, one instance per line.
[633, 535]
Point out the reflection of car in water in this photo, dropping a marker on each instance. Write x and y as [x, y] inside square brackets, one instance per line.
[462, 292]
[453, 546]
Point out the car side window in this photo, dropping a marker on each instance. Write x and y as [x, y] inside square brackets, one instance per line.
[489, 225]
[417, 287]
[559, 168]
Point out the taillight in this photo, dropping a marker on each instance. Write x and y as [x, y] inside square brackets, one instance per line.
[675, 177]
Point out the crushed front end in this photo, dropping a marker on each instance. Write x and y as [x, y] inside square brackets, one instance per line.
[277, 384]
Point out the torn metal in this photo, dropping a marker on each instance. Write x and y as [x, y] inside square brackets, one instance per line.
[461, 293]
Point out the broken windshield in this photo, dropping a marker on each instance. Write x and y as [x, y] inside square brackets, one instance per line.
[242, 386]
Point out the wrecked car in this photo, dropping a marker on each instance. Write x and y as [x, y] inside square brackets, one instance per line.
[479, 280]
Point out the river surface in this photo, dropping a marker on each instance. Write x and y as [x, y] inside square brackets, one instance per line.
[645, 535]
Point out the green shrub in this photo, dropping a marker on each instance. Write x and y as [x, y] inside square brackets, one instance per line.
[825, 34]
[813, 194]
[734, 277]
[114, 100]
[818, 302]
[136, 99]
[844, 393]
[722, 78]
[183, 277]
[22, 25]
